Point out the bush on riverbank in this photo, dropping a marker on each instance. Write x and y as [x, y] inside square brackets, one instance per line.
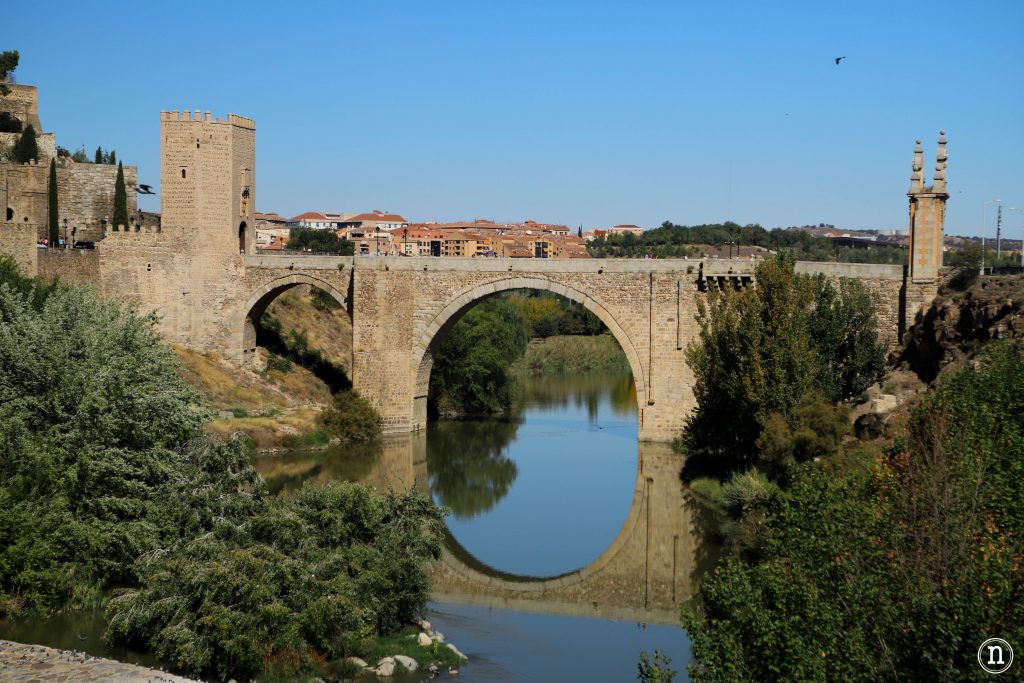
[95, 424]
[351, 418]
[563, 355]
[109, 481]
[281, 585]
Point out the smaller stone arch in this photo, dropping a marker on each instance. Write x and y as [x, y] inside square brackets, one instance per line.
[241, 238]
[264, 295]
[438, 328]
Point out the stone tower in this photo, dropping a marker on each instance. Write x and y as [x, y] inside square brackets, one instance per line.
[208, 180]
[927, 216]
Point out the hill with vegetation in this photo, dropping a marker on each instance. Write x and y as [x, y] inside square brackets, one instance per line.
[698, 241]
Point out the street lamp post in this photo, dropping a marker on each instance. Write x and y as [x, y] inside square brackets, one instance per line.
[1013, 208]
[984, 209]
[65, 233]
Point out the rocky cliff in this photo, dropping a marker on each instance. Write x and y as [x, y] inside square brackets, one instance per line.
[959, 322]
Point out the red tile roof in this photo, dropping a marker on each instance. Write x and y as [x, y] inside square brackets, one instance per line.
[308, 216]
[377, 216]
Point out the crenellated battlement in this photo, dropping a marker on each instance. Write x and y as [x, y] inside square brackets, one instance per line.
[198, 116]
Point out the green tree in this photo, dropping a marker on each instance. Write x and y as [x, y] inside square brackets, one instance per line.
[844, 331]
[311, 239]
[753, 357]
[54, 212]
[120, 215]
[8, 63]
[763, 350]
[112, 158]
[471, 365]
[98, 158]
[26, 148]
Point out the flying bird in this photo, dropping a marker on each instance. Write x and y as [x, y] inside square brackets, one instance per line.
[838, 59]
[145, 189]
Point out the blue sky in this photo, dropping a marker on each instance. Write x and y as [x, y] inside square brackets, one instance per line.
[589, 113]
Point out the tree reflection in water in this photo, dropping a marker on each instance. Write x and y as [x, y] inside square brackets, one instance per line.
[467, 465]
[289, 471]
[582, 390]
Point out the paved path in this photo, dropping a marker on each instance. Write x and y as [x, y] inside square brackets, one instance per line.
[37, 664]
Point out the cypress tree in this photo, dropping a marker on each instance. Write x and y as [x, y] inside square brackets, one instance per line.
[98, 159]
[120, 200]
[113, 157]
[54, 213]
[26, 149]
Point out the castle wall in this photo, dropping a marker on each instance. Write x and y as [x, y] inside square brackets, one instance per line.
[23, 190]
[19, 241]
[23, 103]
[85, 195]
[72, 266]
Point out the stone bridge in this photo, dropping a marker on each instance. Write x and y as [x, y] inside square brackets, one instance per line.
[402, 308]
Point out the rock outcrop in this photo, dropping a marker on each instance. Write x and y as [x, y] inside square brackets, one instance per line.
[959, 322]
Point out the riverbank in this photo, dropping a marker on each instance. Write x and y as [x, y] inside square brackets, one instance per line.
[22, 663]
[570, 354]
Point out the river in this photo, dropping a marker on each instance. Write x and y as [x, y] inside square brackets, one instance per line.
[571, 548]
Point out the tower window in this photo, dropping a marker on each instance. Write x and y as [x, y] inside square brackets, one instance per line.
[182, 173]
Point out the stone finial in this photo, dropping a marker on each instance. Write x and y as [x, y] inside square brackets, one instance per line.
[939, 184]
[917, 177]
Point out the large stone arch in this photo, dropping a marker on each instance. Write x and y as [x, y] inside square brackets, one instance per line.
[264, 295]
[437, 329]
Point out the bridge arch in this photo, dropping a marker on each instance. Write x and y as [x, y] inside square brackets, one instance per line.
[437, 329]
[264, 295]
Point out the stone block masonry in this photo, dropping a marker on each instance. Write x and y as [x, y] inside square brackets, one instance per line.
[72, 266]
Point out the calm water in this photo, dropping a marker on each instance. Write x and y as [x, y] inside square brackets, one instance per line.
[561, 487]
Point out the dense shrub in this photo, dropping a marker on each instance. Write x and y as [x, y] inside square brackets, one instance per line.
[895, 572]
[95, 425]
[351, 418]
[280, 586]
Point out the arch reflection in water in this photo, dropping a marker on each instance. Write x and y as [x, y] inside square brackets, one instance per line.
[651, 567]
